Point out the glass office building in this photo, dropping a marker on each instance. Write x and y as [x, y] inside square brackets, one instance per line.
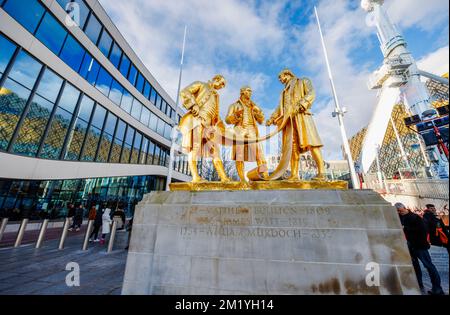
[81, 118]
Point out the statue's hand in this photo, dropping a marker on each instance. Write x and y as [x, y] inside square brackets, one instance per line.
[195, 110]
[270, 122]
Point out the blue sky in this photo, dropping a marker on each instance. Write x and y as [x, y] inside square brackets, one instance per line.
[250, 42]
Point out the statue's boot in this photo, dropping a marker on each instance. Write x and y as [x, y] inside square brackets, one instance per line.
[241, 171]
[220, 170]
[194, 171]
[294, 169]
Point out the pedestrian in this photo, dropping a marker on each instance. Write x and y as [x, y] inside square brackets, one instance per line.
[106, 224]
[437, 231]
[416, 237]
[97, 225]
[70, 214]
[119, 216]
[78, 218]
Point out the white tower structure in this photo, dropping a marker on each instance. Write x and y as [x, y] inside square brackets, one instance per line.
[399, 67]
[398, 75]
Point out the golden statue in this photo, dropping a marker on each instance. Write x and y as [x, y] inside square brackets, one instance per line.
[245, 115]
[202, 125]
[294, 118]
[203, 133]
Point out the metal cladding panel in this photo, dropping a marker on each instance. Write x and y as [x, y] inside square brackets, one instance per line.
[378, 125]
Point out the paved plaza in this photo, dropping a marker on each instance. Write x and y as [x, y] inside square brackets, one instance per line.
[27, 270]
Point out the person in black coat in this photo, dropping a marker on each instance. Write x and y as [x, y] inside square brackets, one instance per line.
[97, 225]
[78, 218]
[433, 223]
[416, 237]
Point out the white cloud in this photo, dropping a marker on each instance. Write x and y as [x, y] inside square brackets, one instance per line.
[249, 32]
[423, 14]
[435, 62]
[215, 29]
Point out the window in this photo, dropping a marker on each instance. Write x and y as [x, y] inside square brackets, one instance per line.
[145, 116]
[110, 125]
[124, 66]
[158, 101]
[90, 146]
[93, 29]
[107, 138]
[105, 43]
[99, 117]
[32, 130]
[25, 70]
[89, 69]
[79, 131]
[56, 135]
[140, 83]
[26, 12]
[86, 107]
[167, 131]
[160, 128]
[118, 142]
[144, 149]
[116, 54]
[49, 85]
[147, 89]
[136, 110]
[104, 81]
[153, 122]
[136, 148]
[132, 75]
[156, 155]
[127, 100]
[153, 96]
[151, 151]
[163, 106]
[12, 105]
[69, 98]
[72, 53]
[126, 151]
[116, 92]
[51, 33]
[6, 52]
[83, 10]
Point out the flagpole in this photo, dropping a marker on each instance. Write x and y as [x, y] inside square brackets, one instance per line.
[174, 133]
[339, 113]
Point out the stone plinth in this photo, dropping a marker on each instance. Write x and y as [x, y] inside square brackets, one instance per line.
[267, 242]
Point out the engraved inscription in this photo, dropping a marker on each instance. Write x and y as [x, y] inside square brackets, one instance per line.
[245, 233]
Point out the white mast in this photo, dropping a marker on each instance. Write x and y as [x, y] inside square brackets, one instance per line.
[339, 113]
[174, 133]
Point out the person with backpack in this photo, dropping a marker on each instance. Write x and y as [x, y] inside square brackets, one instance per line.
[416, 237]
[437, 231]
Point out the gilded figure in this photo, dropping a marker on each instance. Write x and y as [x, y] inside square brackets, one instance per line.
[201, 127]
[245, 115]
[294, 118]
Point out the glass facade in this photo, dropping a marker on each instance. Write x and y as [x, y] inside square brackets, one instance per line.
[48, 199]
[102, 39]
[41, 115]
[44, 116]
[56, 38]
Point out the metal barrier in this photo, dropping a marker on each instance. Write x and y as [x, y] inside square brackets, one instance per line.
[3, 227]
[88, 232]
[42, 232]
[64, 234]
[21, 233]
[422, 188]
[113, 236]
